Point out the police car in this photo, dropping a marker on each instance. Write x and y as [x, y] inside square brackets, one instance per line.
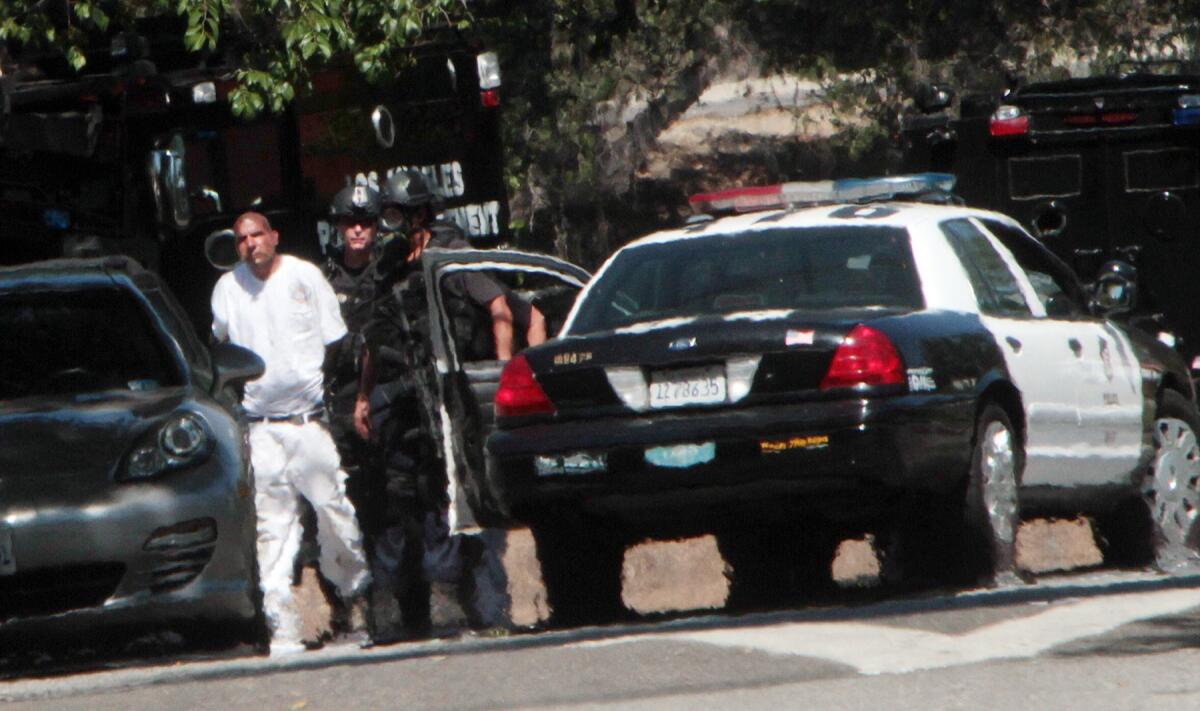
[845, 357]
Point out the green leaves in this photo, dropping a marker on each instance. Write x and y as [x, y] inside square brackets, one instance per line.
[292, 37]
[203, 22]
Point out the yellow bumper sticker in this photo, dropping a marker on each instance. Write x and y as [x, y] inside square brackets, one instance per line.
[775, 446]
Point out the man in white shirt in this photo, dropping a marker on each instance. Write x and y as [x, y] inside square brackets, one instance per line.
[283, 309]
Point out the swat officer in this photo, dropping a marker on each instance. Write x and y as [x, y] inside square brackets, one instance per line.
[489, 323]
[408, 202]
[380, 485]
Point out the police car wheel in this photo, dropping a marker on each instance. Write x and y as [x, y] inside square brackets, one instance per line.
[992, 510]
[773, 565]
[1173, 483]
[581, 561]
[923, 546]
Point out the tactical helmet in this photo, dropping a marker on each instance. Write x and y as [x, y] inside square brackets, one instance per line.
[355, 201]
[408, 188]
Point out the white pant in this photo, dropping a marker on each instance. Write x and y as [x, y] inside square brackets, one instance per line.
[301, 460]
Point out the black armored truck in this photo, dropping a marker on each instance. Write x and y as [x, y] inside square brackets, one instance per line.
[1099, 168]
[141, 154]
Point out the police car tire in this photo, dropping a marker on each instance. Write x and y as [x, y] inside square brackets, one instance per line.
[1176, 421]
[581, 560]
[924, 546]
[992, 510]
[772, 565]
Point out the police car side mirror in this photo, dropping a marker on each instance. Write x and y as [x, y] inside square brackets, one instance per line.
[234, 365]
[1115, 290]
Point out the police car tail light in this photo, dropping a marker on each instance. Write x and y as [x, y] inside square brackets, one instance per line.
[182, 441]
[865, 357]
[1008, 121]
[519, 393]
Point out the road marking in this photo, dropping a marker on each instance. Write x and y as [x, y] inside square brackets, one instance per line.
[882, 649]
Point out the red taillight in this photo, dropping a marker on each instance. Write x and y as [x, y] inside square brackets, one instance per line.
[1118, 117]
[1018, 126]
[490, 98]
[1008, 120]
[519, 393]
[865, 357]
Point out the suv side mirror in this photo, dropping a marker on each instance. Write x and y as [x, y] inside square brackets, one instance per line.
[1115, 290]
[234, 365]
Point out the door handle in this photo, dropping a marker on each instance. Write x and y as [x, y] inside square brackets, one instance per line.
[1076, 347]
[1013, 343]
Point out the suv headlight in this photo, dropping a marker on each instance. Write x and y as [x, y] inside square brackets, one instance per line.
[184, 440]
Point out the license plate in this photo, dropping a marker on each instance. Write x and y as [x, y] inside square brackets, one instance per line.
[8, 563]
[690, 386]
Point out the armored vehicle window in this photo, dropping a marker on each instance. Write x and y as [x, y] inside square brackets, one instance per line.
[1035, 177]
[1161, 169]
[67, 342]
[996, 288]
[1056, 285]
[807, 268]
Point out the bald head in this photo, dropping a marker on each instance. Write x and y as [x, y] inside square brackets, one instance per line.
[257, 218]
[256, 243]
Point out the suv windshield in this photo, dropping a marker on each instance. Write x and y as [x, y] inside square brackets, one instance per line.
[816, 268]
[66, 342]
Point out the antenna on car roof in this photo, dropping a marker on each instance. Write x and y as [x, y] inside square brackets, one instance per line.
[925, 187]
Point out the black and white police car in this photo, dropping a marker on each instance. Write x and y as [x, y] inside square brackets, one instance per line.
[843, 359]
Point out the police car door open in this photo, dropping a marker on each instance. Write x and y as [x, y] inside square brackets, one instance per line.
[463, 346]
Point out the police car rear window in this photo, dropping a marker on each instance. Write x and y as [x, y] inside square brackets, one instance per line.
[813, 268]
[68, 342]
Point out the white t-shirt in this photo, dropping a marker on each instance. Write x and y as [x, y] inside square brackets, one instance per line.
[287, 320]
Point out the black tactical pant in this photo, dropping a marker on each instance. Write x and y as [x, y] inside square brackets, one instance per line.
[380, 484]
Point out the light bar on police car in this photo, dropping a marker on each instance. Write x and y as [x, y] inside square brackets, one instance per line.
[817, 192]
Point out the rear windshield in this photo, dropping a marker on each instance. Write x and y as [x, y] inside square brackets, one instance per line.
[67, 342]
[816, 268]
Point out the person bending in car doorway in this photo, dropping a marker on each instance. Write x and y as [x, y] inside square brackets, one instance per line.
[489, 322]
[284, 310]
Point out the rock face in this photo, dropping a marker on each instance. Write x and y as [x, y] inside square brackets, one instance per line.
[712, 129]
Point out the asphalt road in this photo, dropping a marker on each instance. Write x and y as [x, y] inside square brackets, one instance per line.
[1096, 640]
